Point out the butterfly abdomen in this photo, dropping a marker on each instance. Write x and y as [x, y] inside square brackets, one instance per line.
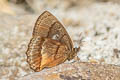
[34, 52]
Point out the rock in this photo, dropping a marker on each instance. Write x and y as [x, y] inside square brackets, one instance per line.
[77, 71]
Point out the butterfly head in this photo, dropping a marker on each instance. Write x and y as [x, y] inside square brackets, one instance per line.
[73, 53]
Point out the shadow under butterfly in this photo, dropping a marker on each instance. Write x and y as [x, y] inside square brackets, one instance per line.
[50, 44]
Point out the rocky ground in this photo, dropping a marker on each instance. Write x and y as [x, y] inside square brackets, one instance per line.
[99, 23]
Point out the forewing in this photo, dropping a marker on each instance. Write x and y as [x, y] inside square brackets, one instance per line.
[48, 25]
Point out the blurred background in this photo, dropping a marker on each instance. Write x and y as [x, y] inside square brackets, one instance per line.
[97, 20]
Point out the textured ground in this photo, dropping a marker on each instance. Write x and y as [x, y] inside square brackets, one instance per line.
[77, 71]
[98, 22]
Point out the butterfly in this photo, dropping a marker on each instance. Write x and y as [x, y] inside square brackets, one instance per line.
[50, 44]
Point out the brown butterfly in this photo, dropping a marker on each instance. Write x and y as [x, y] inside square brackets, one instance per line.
[50, 44]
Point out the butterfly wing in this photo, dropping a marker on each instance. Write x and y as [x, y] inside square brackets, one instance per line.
[46, 26]
[53, 29]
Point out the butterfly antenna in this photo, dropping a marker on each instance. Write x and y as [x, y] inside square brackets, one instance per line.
[79, 42]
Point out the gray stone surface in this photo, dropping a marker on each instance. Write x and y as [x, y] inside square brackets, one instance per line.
[77, 71]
